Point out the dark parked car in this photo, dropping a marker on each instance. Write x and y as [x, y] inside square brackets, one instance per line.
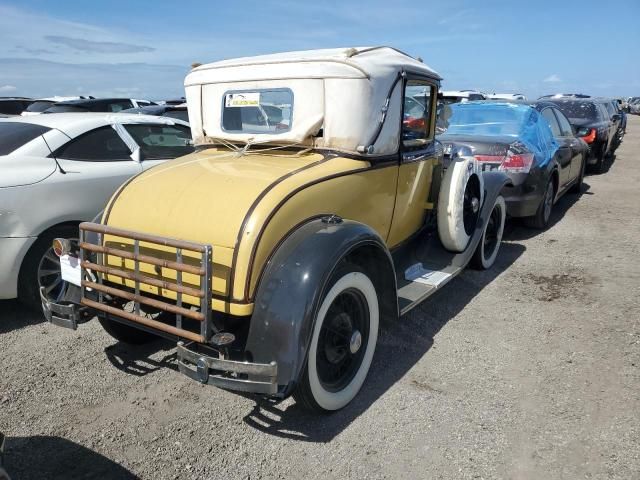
[591, 121]
[14, 105]
[532, 142]
[173, 111]
[618, 118]
[97, 105]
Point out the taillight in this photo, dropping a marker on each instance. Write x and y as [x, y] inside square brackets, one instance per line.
[414, 123]
[590, 136]
[517, 162]
[512, 162]
[61, 246]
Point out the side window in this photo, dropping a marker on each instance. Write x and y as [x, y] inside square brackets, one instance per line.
[547, 113]
[100, 145]
[416, 120]
[565, 126]
[159, 141]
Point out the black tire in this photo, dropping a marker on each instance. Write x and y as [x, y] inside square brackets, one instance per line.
[41, 255]
[599, 165]
[342, 343]
[541, 219]
[125, 333]
[577, 187]
[487, 250]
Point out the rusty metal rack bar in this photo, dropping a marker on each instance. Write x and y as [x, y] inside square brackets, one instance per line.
[94, 272]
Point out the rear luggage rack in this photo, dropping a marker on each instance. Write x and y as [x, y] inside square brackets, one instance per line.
[95, 272]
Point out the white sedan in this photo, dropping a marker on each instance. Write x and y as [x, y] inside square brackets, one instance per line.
[58, 170]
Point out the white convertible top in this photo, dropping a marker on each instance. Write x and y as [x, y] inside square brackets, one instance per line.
[339, 93]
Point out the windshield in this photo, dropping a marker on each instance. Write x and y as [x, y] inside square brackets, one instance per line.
[161, 141]
[14, 135]
[39, 106]
[257, 111]
[578, 110]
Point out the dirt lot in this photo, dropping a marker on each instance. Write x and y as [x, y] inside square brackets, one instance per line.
[530, 370]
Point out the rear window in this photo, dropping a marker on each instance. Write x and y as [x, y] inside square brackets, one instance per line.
[161, 141]
[578, 110]
[65, 109]
[484, 119]
[12, 107]
[39, 106]
[257, 111]
[14, 135]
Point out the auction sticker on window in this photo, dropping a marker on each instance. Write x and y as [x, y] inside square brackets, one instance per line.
[247, 99]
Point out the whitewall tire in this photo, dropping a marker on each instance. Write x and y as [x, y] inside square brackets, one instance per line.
[487, 250]
[342, 343]
[459, 202]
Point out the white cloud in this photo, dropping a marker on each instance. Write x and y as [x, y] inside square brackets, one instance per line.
[7, 88]
[553, 78]
[97, 47]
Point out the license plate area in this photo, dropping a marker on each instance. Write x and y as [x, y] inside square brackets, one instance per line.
[70, 269]
[115, 263]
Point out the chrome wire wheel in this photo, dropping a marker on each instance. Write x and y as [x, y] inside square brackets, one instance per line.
[344, 330]
[50, 277]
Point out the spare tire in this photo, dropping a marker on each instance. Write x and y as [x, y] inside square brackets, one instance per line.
[459, 203]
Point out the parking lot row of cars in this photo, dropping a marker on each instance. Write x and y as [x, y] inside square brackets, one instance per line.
[272, 248]
[13, 106]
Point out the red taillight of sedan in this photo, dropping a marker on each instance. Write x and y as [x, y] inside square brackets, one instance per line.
[513, 162]
[589, 137]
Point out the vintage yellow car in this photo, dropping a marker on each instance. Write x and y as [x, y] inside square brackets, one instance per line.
[316, 206]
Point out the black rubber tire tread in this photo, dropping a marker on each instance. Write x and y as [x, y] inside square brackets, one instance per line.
[537, 221]
[302, 394]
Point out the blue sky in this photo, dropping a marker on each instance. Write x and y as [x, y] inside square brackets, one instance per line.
[143, 48]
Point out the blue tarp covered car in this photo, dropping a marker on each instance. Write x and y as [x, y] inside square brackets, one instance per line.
[532, 142]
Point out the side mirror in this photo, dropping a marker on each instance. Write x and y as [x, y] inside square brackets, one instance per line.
[615, 117]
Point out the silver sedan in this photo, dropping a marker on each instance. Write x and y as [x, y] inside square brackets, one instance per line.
[57, 170]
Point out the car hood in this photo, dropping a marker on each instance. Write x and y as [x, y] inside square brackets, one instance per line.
[202, 197]
[24, 170]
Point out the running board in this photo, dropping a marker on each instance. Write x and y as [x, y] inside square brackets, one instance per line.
[423, 266]
[422, 283]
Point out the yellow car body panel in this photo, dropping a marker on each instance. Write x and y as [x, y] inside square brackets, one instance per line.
[245, 205]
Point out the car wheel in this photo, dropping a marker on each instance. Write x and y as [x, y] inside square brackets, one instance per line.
[343, 342]
[125, 333]
[459, 203]
[577, 187]
[41, 268]
[599, 166]
[541, 219]
[487, 250]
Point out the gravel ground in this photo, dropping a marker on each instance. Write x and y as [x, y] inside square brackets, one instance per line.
[530, 370]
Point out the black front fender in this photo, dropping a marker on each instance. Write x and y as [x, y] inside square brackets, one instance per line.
[290, 291]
